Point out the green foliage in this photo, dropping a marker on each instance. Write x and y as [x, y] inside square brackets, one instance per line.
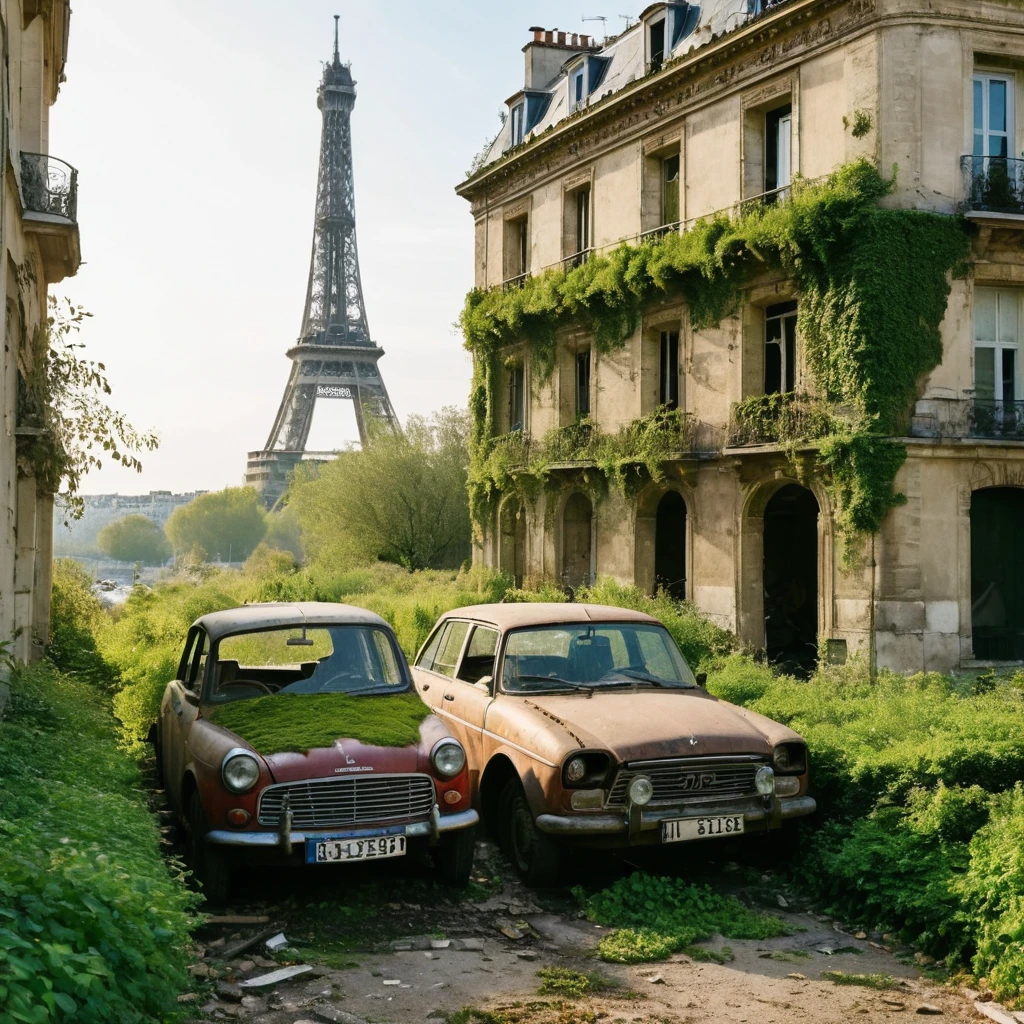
[225, 524]
[67, 426]
[75, 617]
[301, 722]
[877, 981]
[562, 981]
[655, 917]
[134, 539]
[401, 499]
[93, 927]
[861, 124]
[865, 276]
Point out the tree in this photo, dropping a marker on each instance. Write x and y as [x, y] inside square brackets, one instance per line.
[401, 499]
[225, 524]
[134, 539]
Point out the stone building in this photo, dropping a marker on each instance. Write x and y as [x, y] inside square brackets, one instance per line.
[40, 245]
[704, 108]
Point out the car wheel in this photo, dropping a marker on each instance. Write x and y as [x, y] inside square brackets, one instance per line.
[535, 856]
[453, 857]
[210, 865]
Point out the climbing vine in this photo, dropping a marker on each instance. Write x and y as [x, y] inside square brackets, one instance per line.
[873, 287]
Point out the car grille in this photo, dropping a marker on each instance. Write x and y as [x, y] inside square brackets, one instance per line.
[687, 780]
[363, 800]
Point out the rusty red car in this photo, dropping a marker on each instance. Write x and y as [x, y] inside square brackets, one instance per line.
[292, 734]
[584, 725]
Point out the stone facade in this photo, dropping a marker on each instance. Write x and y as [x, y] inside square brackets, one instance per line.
[40, 246]
[735, 111]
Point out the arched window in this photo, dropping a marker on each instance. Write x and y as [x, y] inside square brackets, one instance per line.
[670, 545]
[997, 573]
[577, 540]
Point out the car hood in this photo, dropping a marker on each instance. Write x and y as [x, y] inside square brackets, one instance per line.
[649, 724]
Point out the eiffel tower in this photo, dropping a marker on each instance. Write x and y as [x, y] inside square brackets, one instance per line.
[334, 357]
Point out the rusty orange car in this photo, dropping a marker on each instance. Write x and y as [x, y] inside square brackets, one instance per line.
[584, 724]
[292, 734]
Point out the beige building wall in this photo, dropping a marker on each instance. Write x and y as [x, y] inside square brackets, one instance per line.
[900, 72]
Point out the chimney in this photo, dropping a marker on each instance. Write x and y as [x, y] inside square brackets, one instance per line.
[538, 33]
[584, 42]
[547, 51]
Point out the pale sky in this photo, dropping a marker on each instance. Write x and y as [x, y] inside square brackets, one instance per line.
[194, 127]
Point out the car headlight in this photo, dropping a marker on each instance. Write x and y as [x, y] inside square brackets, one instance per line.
[575, 769]
[448, 758]
[641, 789]
[765, 781]
[239, 770]
[790, 758]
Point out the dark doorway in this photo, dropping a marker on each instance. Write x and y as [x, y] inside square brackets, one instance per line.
[577, 540]
[670, 546]
[512, 556]
[791, 578]
[997, 573]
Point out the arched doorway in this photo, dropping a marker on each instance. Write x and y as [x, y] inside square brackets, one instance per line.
[997, 573]
[791, 577]
[512, 550]
[577, 540]
[670, 545]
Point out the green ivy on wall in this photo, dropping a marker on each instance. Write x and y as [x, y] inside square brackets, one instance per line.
[873, 287]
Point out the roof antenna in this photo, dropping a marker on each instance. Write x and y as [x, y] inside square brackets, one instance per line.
[337, 59]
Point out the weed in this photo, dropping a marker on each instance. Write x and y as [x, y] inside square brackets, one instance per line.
[702, 954]
[565, 982]
[787, 956]
[878, 981]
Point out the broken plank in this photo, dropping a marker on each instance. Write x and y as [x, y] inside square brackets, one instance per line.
[230, 952]
[238, 919]
[275, 976]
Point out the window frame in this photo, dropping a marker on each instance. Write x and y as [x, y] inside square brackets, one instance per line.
[985, 79]
[668, 369]
[578, 88]
[789, 361]
[778, 175]
[476, 628]
[584, 383]
[655, 63]
[997, 346]
[583, 220]
[665, 181]
[517, 118]
[516, 399]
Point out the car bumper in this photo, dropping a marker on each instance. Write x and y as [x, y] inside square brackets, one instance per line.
[434, 827]
[630, 823]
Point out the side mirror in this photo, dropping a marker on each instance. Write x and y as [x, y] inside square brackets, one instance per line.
[702, 679]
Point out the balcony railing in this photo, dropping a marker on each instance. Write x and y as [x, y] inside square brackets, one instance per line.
[995, 419]
[577, 259]
[653, 234]
[49, 186]
[512, 283]
[993, 184]
[776, 418]
[969, 417]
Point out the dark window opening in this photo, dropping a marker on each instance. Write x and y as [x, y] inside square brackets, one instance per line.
[778, 130]
[583, 220]
[524, 246]
[657, 44]
[577, 540]
[791, 578]
[997, 573]
[513, 541]
[668, 391]
[583, 384]
[780, 348]
[670, 546]
[516, 398]
[670, 190]
[517, 124]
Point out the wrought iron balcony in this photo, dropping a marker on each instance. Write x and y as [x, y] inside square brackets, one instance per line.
[995, 419]
[577, 259]
[514, 282]
[969, 417]
[993, 184]
[49, 186]
[653, 234]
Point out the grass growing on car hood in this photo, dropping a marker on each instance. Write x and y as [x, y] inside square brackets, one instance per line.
[293, 722]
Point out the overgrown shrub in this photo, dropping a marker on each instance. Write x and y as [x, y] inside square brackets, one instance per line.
[75, 617]
[93, 927]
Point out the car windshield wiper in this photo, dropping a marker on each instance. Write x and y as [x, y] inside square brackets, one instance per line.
[644, 677]
[578, 687]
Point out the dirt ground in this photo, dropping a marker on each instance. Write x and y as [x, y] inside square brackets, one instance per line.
[384, 943]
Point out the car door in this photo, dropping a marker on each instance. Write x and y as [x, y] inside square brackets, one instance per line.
[435, 667]
[470, 692]
[180, 710]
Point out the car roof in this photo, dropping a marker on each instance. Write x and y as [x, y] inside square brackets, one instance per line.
[537, 613]
[275, 614]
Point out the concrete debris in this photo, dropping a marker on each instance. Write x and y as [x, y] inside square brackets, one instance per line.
[472, 945]
[226, 990]
[928, 1009]
[510, 931]
[781, 900]
[440, 943]
[528, 954]
[995, 1012]
[392, 981]
[655, 979]
[276, 941]
[331, 1015]
[274, 977]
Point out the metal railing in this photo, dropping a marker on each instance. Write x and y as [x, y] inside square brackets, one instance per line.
[514, 282]
[770, 198]
[577, 259]
[49, 185]
[993, 184]
[968, 417]
[993, 419]
[653, 234]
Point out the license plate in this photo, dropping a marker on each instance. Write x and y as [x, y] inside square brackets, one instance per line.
[681, 829]
[329, 851]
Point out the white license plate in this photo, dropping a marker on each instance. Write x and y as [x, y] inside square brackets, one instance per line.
[328, 851]
[681, 829]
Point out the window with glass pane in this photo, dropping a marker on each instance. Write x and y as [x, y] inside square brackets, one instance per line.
[583, 383]
[451, 646]
[778, 131]
[517, 124]
[516, 398]
[993, 115]
[577, 90]
[996, 343]
[583, 220]
[669, 382]
[478, 660]
[670, 190]
[780, 348]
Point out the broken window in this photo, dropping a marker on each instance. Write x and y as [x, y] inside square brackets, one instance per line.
[780, 348]
[668, 385]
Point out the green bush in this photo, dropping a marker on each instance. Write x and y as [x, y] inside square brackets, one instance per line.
[75, 617]
[93, 927]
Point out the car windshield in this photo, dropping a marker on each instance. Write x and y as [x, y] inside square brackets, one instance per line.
[598, 655]
[297, 659]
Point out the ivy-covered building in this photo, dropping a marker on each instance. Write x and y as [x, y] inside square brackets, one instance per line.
[39, 241]
[747, 322]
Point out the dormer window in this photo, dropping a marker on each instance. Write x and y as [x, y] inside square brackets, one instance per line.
[656, 43]
[578, 88]
[518, 124]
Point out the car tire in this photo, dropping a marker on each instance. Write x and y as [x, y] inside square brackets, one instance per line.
[536, 857]
[453, 857]
[210, 865]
